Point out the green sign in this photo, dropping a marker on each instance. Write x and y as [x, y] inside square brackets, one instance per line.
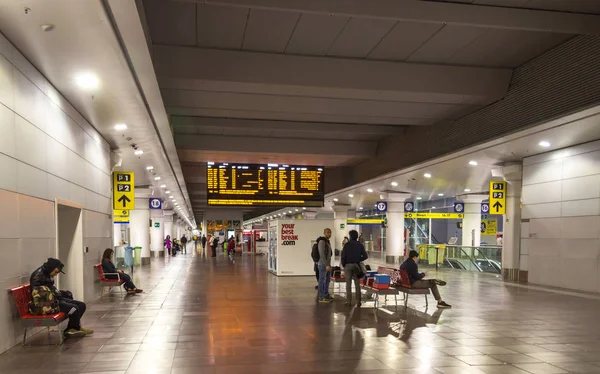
[342, 225]
[157, 224]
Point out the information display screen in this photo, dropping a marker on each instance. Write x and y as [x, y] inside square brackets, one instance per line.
[264, 185]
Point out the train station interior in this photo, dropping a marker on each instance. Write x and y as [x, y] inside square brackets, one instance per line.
[168, 169]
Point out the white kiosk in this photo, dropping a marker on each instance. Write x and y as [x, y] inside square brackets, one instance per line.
[290, 243]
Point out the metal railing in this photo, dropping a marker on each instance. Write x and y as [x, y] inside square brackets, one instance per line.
[486, 259]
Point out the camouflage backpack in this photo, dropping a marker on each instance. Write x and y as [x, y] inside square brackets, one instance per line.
[43, 301]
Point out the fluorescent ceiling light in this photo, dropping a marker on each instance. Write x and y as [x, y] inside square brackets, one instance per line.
[335, 199]
[303, 208]
[172, 197]
[544, 144]
[419, 198]
[394, 184]
[432, 207]
[361, 208]
[369, 190]
[156, 178]
[139, 152]
[350, 195]
[467, 190]
[167, 192]
[290, 212]
[120, 126]
[163, 186]
[473, 163]
[427, 175]
[149, 167]
[440, 194]
[87, 81]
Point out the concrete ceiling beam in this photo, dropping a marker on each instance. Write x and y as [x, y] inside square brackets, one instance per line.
[435, 12]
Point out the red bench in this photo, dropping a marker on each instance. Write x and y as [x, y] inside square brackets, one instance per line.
[399, 279]
[22, 296]
[110, 283]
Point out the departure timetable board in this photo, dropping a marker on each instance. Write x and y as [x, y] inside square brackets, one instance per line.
[264, 185]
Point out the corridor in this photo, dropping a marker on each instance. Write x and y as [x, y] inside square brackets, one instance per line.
[205, 315]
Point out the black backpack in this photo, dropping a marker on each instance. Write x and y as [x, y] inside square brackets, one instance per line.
[315, 251]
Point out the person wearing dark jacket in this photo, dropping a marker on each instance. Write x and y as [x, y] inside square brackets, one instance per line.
[184, 241]
[111, 272]
[353, 254]
[203, 240]
[73, 309]
[417, 281]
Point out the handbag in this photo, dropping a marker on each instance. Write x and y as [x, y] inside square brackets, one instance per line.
[362, 268]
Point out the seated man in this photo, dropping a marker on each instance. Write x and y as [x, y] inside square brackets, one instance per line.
[73, 309]
[417, 281]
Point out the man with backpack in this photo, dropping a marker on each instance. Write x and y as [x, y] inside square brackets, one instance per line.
[184, 241]
[324, 265]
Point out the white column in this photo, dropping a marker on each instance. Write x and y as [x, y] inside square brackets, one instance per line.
[394, 239]
[511, 232]
[471, 224]
[158, 233]
[139, 221]
[168, 221]
[117, 234]
[352, 214]
[340, 216]
[309, 214]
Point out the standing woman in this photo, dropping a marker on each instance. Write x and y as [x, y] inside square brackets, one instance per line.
[168, 244]
[111, 272]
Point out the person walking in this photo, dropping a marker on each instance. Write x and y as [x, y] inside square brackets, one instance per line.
[169, 244]
[324, 266]
[353, 254]
[203, 241]
[184, 241]
[214, 244]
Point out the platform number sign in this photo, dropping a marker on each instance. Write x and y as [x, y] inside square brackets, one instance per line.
[155, 203]
[409, 206]
[123, 190]
[485, 208]
[497, 197]
[381, 206]
[459, 207]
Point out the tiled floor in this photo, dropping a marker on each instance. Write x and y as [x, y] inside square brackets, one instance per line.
[204, 315]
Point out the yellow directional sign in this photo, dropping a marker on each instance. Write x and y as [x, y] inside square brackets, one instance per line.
[120, 213]
[435, 215]
[120, 219]
[123, 191]
[364, 221]
[497, 197]
[489, 227]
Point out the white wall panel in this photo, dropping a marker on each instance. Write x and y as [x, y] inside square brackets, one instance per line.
[57, 159]
[36, 218]
[525, 246]
[548, 192]
[580, 274]
[582, 165]
[587, 207]
[30, 102]
[8, 173]
[544, 247]
[525, 229]
[547, 210]
[580, 248]
[9, 264]
[7, 95]
[31, 144]
[9, 219]
[32, 181]
[58, 188]
[548, 228]
[7, 130]
[581, 188]
[524, 262]
[581, 227]
[543, 172]
[34, 252]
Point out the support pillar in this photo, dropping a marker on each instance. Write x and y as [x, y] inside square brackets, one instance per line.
[168, 221]
[117, 234]
[394, 239]
[340, 216]
[139, 228]
[471, 224]
[158, 233]
[511, 251]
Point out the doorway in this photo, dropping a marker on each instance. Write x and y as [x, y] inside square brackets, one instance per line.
[69, 247]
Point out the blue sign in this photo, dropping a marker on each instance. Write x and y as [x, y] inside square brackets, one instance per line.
[409, 206]
[485, 208]
[381, 207]
[459, 207]
[155, 203]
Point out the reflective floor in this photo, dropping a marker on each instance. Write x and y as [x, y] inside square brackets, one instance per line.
[204, 315]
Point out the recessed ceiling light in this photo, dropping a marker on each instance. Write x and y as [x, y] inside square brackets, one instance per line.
[427, 175]
[467, 190]
[163, 186]
[440, 194]
[172, 197]
[369, 190]
[297, 210]
[156, 178]
[394, 184]
[350, 195]
[87, 81]
[167, 192]
[335, 199]
[149, 168]
[544, 144]
[139, 152]
[290, 212]
[303, 208]
[176, 204]
[432, 207]
[473, 163]
[361, 208]
[419, 198]
[120, 126]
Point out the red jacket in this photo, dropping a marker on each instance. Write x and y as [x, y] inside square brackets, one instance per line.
[231, 245]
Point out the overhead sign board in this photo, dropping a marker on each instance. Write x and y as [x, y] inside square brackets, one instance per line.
[497, 197]
[120, 213]
[121, 220]
[381, 206]
[364, 221]
[123, 190]
[459, 207]
[435, 215]
[489, 227]
[155, 203]
[485, 208]
[409, 206]
[231, 184]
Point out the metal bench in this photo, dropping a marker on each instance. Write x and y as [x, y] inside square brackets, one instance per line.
[370, 291]
[22, 296]
[110, 283]
[407, 289]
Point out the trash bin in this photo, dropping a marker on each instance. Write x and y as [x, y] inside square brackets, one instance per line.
[129, 256]
[137, 256]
